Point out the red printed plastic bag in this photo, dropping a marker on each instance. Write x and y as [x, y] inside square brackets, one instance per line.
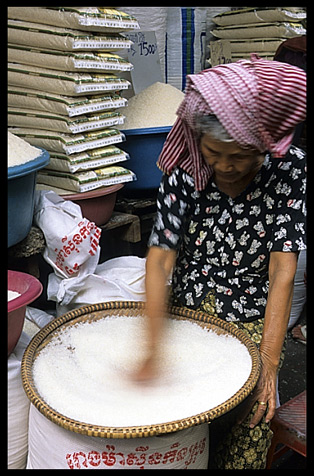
[72, 241]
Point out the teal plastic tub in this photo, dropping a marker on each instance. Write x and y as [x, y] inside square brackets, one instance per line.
[21, 193]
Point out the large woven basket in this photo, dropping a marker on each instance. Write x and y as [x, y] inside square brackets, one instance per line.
[130, 308]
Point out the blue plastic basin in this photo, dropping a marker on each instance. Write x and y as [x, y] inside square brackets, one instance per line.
[21, 192]
[144, 147]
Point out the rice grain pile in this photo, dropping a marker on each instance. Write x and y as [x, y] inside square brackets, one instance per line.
[155, 106]
[20, 151]
[85, 372]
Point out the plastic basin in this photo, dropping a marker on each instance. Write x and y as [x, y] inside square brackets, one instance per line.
[144, 147]
[30, 288]
[97, 205]
[21, 193]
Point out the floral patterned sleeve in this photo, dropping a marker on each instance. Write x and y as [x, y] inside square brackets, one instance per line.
[289, 228]
[173, 204]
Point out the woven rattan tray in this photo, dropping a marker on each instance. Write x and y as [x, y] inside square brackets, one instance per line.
[130, 308]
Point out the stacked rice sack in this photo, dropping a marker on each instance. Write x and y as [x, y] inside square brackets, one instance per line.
[64, 91]
[254, 30]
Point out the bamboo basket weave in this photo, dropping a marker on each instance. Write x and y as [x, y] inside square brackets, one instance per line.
[130, 308]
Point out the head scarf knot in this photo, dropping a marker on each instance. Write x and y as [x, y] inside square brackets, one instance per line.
[259, 103]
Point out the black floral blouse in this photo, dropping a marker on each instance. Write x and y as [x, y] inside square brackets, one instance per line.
[224, 243]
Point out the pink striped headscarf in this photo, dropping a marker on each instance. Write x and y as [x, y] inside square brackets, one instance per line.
[259, 103]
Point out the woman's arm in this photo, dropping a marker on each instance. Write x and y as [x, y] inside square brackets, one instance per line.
[159, 265]
[282, 268]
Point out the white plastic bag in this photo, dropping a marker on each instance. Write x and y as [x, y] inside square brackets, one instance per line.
[72, 241]
[118, 279]
[53, 447]
[18, 408]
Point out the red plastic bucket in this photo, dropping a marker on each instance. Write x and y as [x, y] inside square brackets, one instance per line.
[30, 288]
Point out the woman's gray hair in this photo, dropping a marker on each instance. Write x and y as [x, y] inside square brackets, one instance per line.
[210, 125]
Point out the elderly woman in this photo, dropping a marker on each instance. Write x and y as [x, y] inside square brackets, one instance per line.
[231, 221]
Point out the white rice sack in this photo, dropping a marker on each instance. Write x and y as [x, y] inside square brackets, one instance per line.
[53, 447]
[18, 408]
[263, 15]
[117, 279]
[68, 61]
[68, 84]
[66, 143]
[260, 30]
[253, 45]
[65, 105]
[19, 117]
[20, 151]
[35, 319]
[155, 106]
[210, 14]
[99, 19]
[91, 159]
[267, 55]
[85, 181]
[63, 39]
[185, 46]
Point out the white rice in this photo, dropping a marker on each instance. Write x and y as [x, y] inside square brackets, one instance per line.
[155, 106]
[20, 151]
[85, 372]
[12, 295]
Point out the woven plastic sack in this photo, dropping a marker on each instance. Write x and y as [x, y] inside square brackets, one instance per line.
[260, 15]
[65, 105]
[18, 408]
[260, 30]
[65, 83]
[24, 117]
[117, 279]
[185, 45]
[63, 39]
[52, 447]
[69, 143]
[100, 19]
[58, 60]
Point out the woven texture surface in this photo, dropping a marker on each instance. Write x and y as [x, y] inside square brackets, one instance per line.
[130, 308]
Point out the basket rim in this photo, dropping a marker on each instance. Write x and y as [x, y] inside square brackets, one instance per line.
[136, 431]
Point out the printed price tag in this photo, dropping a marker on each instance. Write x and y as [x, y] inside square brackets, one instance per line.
[143, 54]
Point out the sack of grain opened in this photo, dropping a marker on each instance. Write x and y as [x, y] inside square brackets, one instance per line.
[52, 447]
[18, 408]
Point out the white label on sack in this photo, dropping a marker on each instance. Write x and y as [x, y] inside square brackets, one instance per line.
[110, 86]
[81, 147]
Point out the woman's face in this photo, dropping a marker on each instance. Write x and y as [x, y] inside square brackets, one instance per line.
[229, 161]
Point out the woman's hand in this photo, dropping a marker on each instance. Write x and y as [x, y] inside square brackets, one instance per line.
[159, 265]
[147, 372]
[265, 393]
